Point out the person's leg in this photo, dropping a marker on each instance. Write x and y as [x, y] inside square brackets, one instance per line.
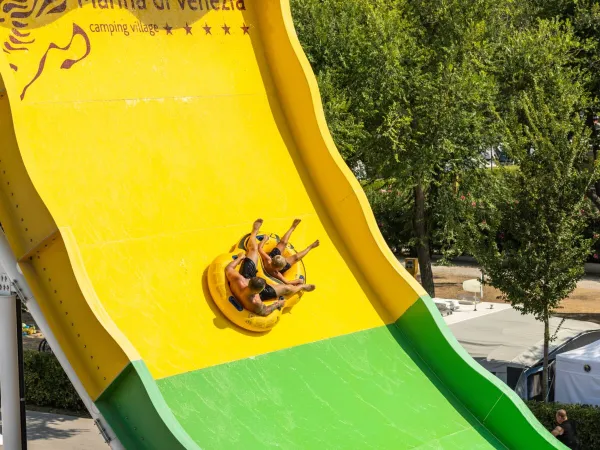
[286, 237]
[252, 244]
[283, 290]
[298, 256]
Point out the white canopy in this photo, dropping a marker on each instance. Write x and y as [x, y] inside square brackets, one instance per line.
[578, 375]
[507, 336]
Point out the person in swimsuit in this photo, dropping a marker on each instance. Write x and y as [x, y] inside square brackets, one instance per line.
[276, 264]
[252, 290]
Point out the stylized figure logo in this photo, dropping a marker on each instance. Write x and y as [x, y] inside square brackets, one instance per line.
[67, 63]
[19, 14]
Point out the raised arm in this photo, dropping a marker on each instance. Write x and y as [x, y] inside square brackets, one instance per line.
[263, 241]
[558, 431]
[234, 263]
[265, 257]
[280, 277]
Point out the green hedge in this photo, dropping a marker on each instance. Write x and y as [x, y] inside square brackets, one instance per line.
[587, 419]
[47, 385]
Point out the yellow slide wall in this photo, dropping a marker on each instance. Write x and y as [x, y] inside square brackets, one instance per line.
[140, 139]
[152, 152]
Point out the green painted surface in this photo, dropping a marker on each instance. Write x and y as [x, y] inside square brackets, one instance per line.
[405, 386]
[491, 401]
[363, 390]
[137, 413]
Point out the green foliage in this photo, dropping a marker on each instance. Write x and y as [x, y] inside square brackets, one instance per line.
[46, 383]
[360, 51]
[593, 231]
[414, 91]
[456, 206]
[392, 207]
[404, 83]
[408, 92]
[584, 16]
[529, 236]
[586, 418]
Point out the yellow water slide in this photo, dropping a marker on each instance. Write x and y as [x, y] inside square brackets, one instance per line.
[140, 139]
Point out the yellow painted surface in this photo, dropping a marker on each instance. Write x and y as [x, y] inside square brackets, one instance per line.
[56, 278]
[155, 151]
[91, 351]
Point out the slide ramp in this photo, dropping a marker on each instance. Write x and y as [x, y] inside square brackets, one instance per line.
[141, 139]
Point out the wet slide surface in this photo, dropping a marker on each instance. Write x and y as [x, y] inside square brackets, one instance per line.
[141, 139]
[362, 390]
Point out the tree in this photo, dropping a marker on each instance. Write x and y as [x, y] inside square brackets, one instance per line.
[530, 239]
[392, 208]
[407, 91]
[584, 16]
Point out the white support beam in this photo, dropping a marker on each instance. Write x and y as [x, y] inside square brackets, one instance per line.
[9, 263]
[9, 368]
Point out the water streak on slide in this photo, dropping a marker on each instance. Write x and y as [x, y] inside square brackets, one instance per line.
[150, 135]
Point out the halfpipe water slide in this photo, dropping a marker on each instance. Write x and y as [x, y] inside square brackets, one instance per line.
[140, 139]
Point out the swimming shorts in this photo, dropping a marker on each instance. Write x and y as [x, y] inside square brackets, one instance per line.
[268, 293]
[275, 252]
[248, 269]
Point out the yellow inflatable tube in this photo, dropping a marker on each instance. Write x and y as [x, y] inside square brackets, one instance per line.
[231, 307]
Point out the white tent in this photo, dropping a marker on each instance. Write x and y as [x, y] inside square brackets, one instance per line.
[505, 342]
[578, 375]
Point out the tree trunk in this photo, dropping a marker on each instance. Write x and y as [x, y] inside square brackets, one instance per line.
[420, 229]
[546, 343]
[594, 190]
[592, 194]
[597, 183]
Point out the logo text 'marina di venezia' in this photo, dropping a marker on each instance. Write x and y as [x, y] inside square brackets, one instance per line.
[193, 5]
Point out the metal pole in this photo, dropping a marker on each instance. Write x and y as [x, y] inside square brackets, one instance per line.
[21, 368]
[9, 370]
[481, 285]
[8, 264]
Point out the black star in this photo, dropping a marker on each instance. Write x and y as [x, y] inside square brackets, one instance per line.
[226, 29]
[188, 29]
[168, 28]
[246, 29]
[207, 28]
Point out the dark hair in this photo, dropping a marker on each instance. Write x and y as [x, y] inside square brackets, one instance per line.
[257, 284]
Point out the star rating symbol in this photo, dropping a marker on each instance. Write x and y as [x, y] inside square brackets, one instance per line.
[207, 29]
[168, 28]
[246, 29]
[188, 29]
[226, 29]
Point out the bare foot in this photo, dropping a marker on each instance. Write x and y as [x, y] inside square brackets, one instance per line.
[309, 287]
[315, 244]
[296, 223]
[256, 225]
